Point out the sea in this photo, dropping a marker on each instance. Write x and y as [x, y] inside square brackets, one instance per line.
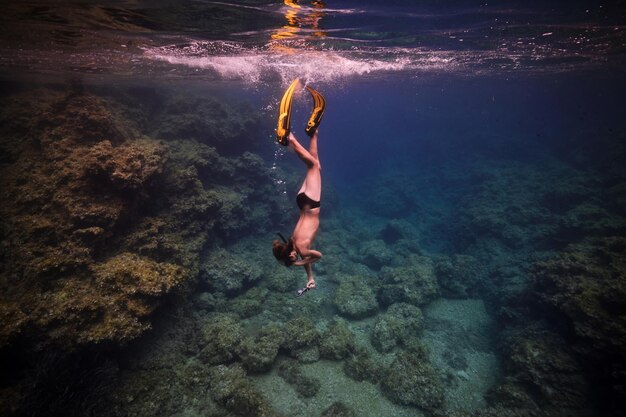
[472, 220]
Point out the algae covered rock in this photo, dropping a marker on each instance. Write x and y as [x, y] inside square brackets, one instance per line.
[585, 289]
[258, 353]
[413, 283]
[305, 386]
[458, 276]
[355, 299]
[337, 342]
[220, 339]
[128, 166]
[299, 333]
[586, 285]
[399, 324]
[375, 254]
[137, 275]
[228, 273]
[283, 279]
[360, 366]
[338, 409]
[248, 304]
[411, 380]
[230, 388]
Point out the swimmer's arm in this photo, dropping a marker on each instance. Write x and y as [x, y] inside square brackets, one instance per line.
[308, 257]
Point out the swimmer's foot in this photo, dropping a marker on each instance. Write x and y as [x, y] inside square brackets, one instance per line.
[284, 114]
[318, 111]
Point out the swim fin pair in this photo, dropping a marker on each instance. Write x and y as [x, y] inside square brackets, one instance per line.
[284, 113]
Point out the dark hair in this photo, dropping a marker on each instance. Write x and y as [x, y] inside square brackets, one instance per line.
[282, 251]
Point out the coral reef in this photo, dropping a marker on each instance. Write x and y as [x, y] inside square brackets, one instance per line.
[305, 386]
[541, 360]
[230, 388]
[584, 287]
[458, 276]
[228, 273]
[413, 283]
[101, 221]
[338, 409]
[258, 353]
[220, 338]
[338, 341]
[205, 119]
[354, 298]
[360, 366]
[299, 334]
[375, 254]
[399, 324]
[412, 380]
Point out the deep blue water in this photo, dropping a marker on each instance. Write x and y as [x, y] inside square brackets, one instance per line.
[488, 131]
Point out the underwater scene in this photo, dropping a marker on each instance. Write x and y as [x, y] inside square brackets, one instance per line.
[292, 208]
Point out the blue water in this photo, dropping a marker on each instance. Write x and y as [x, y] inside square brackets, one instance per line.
[472, 224]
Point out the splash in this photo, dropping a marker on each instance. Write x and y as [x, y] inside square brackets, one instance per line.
[253, 66]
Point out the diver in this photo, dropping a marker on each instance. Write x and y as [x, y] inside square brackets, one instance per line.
[297, 250]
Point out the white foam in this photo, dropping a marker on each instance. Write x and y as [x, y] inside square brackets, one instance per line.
[230, 61]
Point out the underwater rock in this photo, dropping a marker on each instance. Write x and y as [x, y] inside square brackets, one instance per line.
[248, 304]
[389, 195]
[305, 386]
[338, 409]
[228, 273]
[589, 219]
[230, 388]
[205, 301]
[355, 299]
[282, 279]
[541, 374]
[413, 283]
[399, 324]
[220, 338]
[411, 380]
[396, 230]
[205, 119]
[307, 354]
[258, 353]
[127, 167]
[375, 254]
[85, 191]
[457, 275]
[360, 366]
[299, 333]
[585, 288]
[337, 342]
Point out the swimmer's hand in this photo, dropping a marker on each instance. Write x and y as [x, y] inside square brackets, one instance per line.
[311, 284]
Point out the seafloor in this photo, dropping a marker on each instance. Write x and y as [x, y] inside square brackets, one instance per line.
[137, 278]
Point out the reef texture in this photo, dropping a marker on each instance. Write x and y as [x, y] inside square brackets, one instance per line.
[103, 221]
[121, 213]
[585, 288]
